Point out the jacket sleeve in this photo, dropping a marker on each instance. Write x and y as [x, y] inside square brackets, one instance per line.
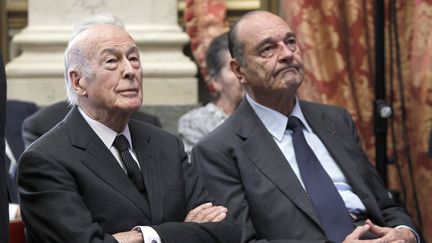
[196, 194]
[222, 178]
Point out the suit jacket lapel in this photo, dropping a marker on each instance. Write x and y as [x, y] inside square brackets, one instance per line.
[325, 128]
[100, 161]
[264, 153]
[148, 158]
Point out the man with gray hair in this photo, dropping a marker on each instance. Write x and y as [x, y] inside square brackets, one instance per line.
[99, 176]
[290, 170]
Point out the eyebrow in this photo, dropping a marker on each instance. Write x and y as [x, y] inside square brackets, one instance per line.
[108, 51]
[114, 51]
[132, 49]
[289, 35]
[271, 39]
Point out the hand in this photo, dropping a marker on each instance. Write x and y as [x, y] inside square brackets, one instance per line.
[392, 234]
[206, 213]
[385, 234]
[357, 234]
[129, 237]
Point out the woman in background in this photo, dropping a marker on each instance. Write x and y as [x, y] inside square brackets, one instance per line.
[225, 89]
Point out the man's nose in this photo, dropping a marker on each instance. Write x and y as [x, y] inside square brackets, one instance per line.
[285, 53]
[127, 69]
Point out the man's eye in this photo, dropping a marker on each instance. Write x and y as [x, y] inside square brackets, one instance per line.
[291, 43]
[266, 50]
[134, 59]
[111, 60]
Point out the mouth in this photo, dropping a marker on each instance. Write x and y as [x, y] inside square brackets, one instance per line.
[129, 92]
[292, 69]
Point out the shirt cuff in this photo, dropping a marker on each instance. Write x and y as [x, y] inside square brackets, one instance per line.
[13, 208]
[149, 234]
[415, 233]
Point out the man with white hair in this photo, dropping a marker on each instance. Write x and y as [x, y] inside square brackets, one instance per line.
[99, 176]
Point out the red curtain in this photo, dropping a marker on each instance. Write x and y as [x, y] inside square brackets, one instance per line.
[336, 37]
[204, 20]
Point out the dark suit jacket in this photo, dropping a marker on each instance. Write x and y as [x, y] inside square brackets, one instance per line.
[4, 212]
[16, 112]
[72, 188]
[42, 121]
[243, 167]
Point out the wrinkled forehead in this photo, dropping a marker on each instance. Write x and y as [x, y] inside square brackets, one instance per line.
[103, 29]
[260, 26]
[108, 33]
[101, 37]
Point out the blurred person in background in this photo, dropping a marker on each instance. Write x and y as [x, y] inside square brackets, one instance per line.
[225, 90]
[17, 112]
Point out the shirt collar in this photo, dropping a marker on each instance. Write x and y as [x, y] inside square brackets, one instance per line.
[106, 134]
[274, 121]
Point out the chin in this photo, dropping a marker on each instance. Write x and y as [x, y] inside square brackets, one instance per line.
[292, 82]
[135, 107]
[133, 101]
[132, 106]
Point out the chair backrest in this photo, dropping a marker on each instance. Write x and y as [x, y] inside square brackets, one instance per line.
[16, 231]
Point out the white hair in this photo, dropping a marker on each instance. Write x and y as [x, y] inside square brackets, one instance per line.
[74, 57]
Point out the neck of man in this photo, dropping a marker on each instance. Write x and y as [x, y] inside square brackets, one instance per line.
[282, 103]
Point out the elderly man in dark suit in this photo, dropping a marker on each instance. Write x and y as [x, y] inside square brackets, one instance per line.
[289, 170]
[99, 176]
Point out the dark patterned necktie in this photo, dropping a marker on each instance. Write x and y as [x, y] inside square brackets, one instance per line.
[329, 205]
[133, 171]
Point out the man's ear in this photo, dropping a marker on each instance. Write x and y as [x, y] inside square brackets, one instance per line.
[236, 68]
[77, 83]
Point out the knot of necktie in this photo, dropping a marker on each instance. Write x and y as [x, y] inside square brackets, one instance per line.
[121, 143]
[294, 123]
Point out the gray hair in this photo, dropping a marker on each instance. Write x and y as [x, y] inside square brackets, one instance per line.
[74, 57]
[215, 55]
[234, 45]
[236, 48]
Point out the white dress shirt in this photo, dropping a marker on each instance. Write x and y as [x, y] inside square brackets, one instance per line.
[107, 135]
